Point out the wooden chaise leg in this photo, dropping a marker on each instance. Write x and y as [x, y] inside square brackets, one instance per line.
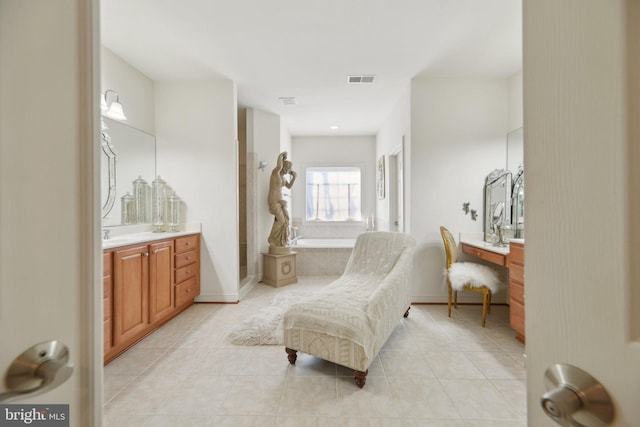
[291, 355]
[360, 377]
[406, 313]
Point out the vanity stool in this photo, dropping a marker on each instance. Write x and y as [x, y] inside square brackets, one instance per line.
[467, 276]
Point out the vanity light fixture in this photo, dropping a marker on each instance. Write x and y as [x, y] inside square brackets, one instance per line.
[112, 109]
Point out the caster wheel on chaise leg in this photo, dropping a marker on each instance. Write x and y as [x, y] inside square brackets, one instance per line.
[291, 355]
[360, 377]
[406, 313]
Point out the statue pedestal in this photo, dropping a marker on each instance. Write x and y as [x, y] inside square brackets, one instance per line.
[279, 269]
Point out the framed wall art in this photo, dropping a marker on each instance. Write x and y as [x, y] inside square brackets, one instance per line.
[380, 178]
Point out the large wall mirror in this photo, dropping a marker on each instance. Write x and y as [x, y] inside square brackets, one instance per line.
[127, 153]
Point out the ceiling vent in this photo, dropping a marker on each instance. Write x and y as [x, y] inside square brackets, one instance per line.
[360, 79]
[288, 100]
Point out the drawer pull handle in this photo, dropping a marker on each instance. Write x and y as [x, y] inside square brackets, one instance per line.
[188, 258]
[188, 271]
[188, 243]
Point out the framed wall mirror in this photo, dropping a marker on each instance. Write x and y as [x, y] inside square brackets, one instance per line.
[515, 165]
[127, 153]
[497, 204]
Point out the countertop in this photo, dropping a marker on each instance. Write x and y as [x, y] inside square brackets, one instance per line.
[121, 236]
[502, 250]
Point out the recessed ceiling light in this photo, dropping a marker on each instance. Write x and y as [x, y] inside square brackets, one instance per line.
[334, 127]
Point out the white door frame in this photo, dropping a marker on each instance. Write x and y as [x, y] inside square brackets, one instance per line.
[50, 260]
[396, 188]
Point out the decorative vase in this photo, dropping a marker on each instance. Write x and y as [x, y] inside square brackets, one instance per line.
[127, 209]
[140, 191]
[173, 212]
[158, 203]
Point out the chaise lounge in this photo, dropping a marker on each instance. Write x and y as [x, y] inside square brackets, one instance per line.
[349, 320]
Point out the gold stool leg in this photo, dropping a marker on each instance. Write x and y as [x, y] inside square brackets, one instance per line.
[449, 300]
[485, 300]
[455, 299]
[489, 307]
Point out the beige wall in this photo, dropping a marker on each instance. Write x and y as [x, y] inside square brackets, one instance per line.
[458, 136]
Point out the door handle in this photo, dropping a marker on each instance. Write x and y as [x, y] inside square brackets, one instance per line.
[37, 370]
[575, 399]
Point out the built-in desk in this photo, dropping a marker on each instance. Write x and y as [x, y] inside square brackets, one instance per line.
[486, 251]
[512, 257]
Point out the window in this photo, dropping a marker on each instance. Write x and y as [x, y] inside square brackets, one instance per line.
[333, 194]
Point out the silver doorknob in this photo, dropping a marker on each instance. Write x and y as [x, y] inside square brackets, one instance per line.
[575, 399]
[37, 370]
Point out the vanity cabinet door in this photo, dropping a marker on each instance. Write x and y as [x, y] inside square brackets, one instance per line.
[130, 293]
[107, 291]
[161, 295]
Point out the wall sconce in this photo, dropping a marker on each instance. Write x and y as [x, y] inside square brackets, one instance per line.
[112, 109]
[263, 164]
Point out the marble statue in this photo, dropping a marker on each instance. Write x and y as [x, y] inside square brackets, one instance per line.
[282, 176]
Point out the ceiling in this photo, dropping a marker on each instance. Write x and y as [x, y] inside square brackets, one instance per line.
[306, 49]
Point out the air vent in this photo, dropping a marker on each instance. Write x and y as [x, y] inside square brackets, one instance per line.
[360, 79]
[288, 100]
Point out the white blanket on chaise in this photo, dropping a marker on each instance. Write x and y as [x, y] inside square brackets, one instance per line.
[348, 321]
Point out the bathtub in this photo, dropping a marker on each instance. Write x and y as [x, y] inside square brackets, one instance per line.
[325, 243]
[322, 257]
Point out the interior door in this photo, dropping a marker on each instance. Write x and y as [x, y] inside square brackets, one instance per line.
[49, 250]
[582, 283]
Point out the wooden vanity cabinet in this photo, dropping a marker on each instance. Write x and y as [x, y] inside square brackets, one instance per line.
[145, 285]
[516, 289]
[161, 295]
[187, 267]
[130, 293]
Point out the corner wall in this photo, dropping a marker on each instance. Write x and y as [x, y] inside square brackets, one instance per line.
[196, 134]
[136, 90]
[308, 151]
[458, 136]
[264, 141]
[388, 139]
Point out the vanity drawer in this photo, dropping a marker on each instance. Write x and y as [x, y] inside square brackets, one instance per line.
[186, 258]
[516, 293]
[187, 243]
[516, 273]
[185, 273]
[516, 253]
[516, 317]
[186, 291]
[493, 257]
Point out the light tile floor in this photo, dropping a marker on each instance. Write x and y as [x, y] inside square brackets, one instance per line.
[434, 371]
